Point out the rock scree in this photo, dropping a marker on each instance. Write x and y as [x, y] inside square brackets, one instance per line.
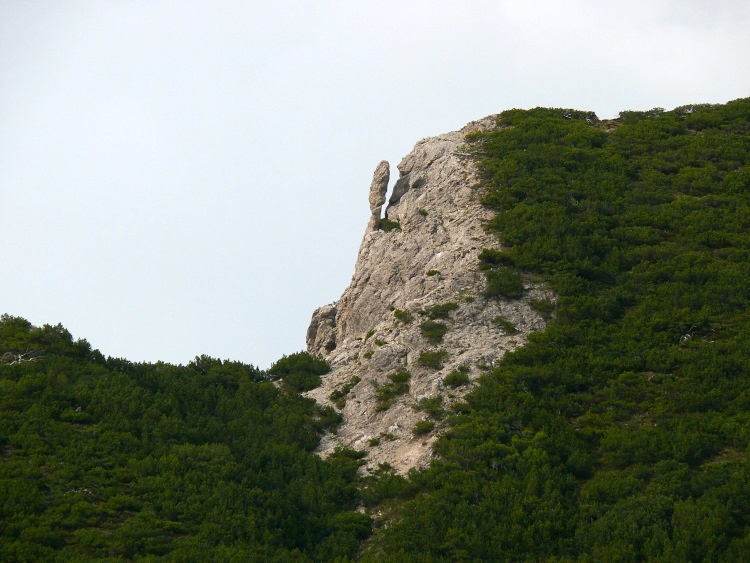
[413, 331]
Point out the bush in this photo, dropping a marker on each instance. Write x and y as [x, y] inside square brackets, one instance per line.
[504, 282]
[433, 331]
[434, 360]
[424, 427]
[398, 385]
[507, 326]
[491, 258]
[433, 272]
[403, 316]
[433, 406]
[544, 307]
[441, 311]
[387, 225]
[300, 371]
[338, 396]
[456, 378]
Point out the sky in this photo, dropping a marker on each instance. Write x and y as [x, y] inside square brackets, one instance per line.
[191, 177]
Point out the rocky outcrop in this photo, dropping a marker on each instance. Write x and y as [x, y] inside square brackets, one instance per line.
[378, 189]
[420, 266]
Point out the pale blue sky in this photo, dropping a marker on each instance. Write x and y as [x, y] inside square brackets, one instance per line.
[180, 178]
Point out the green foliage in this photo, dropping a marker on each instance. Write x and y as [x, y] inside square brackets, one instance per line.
[379, 342]
[369, 334]
[431, 273]
[507, 326]
[422, 212]
[369, 354]
[433, 406]
[441, 311]
[544, 307]
[424, 427]
[433, 358]
[491, 258]
[433, 331]
[104, 459]
[338, 395]
[300, 371]
[387, 393]
[619, 433]
[456, 378]
[403, 316]
[388, 225]
[504, 282]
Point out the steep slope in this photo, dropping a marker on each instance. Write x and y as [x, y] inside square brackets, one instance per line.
[416, 276]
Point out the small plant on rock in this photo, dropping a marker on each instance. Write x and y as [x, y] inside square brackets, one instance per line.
[507, 326]
[387, 225]
[441, 311]
[433, 359]
[387, 393]
[456, 378]
[338, 396]
[433, 331]
[424, 427]
[432, 406]
[403, 316]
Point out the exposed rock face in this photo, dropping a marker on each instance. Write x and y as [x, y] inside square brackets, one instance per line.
[378, 189]
[430, 259]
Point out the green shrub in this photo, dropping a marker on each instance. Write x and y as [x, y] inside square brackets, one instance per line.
[434, 360]
[507, 326]
[388, 225]
[490, 258]
[379, 342]
[338, 396]
[403, 316]
[433, 331]
[441, 311]
[367, 355]
[423, 427]
[369, 334]
[544, 307]
[455, 379]
[504, 282]
[422, 212]
[433, 272]
[433, 406]
[385, 394]
[372, 442]
[300, 371]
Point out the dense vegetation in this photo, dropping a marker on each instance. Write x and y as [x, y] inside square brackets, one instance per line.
[103, 458]
[621, 432]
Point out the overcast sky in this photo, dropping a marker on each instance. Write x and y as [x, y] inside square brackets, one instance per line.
[184, 178]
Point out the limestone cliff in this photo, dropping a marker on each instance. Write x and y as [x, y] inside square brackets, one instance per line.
[418, 264]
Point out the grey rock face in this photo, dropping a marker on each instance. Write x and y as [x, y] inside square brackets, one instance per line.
[378, 189]
[403, 274]
[321, 334]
